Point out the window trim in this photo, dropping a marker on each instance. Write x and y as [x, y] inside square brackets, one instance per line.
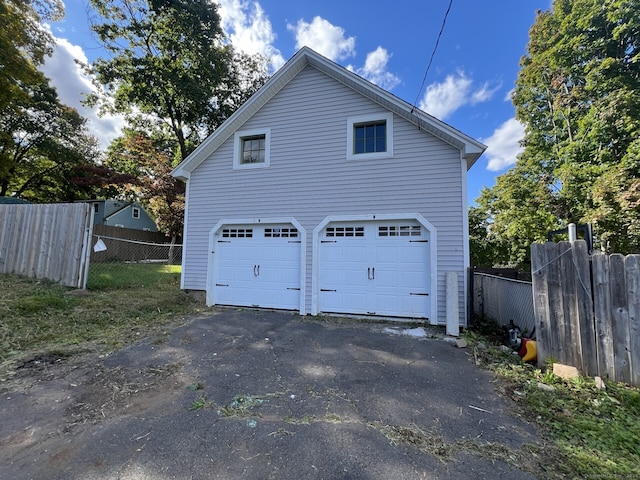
[352, 121]
[133, 212]
[237, 148]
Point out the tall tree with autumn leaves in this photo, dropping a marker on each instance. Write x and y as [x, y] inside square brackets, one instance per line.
[578, 96]
[175, 77]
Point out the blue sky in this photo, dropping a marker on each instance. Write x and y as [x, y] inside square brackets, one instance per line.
[389, 43]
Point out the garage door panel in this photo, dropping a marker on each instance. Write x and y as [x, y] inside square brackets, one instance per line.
[386, 254]
[354, 253]
[290, 276]
[414, 280]
[355, 277]
[358, 302]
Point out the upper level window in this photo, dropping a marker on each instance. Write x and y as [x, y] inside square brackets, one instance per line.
[251, 148]
[370, 136]
[135, 212]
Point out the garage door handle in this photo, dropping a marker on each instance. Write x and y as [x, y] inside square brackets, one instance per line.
[256, 272]
[368, 273]
[371, 273]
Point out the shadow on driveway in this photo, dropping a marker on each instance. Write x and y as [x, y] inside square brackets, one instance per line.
[242, 394]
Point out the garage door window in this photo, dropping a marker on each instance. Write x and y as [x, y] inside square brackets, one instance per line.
[281, 232]
[346, 231]
[400, 231]
[237, 233]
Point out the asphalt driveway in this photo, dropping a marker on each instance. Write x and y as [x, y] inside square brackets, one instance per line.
[242, 394]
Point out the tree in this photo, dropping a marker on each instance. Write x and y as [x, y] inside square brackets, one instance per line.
[146, 161]
[578, 95]
[42, 144]
[169, 62]
[23, 45]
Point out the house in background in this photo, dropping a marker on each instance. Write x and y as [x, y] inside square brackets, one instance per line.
[119, 213]
[13, 201]
[324, 193]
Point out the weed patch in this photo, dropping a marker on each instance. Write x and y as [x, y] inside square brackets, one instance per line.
[240, 406]
[37, 317]
[588, 432]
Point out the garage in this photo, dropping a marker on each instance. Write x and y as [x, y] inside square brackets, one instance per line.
[257, 265]
[380, 267]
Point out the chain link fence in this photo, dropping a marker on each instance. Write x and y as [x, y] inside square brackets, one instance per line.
[503, 299]
[118, 262]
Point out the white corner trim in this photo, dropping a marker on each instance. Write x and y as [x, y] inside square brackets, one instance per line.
[237, 148]
[185, 234]
[351, 121]
[210, 285]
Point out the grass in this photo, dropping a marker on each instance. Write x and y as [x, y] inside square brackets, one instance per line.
[114, 276]
[589, 433]
[126, 303]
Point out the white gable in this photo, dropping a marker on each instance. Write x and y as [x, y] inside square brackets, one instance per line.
[470, 149]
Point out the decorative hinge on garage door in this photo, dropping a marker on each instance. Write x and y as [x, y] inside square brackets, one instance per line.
[295, 241]
[224, 241]
[421, 294]
[328, 241]
[292, 288]
[327, 290]
[221, 285]
[418, 241]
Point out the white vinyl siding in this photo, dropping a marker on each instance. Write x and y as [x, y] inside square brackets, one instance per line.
[424, 176]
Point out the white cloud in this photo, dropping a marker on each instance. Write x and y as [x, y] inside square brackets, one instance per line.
[457, 90]
[249, 29]
[73, 85]
[375, 69]
[323, 37]
[504, 145]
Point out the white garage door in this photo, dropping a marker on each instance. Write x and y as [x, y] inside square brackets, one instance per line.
[375, 268]
[257, 266]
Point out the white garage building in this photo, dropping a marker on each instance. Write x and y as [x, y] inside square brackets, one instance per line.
[326, 194]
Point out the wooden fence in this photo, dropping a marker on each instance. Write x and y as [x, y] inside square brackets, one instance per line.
[587, 309]
[47, 241]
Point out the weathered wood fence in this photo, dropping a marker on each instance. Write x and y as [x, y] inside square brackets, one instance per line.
[47, 241]
[587, 309]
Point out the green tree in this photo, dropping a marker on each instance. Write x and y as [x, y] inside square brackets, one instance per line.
[24, 43]
[43, 143]
[578, 95]
[169, 62]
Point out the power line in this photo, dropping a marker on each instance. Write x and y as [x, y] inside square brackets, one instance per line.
[435, 47]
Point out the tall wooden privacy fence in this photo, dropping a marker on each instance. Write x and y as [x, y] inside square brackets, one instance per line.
[47, 241]
[587, 309]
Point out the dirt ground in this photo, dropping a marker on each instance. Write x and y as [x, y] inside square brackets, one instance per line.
[256, 394]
